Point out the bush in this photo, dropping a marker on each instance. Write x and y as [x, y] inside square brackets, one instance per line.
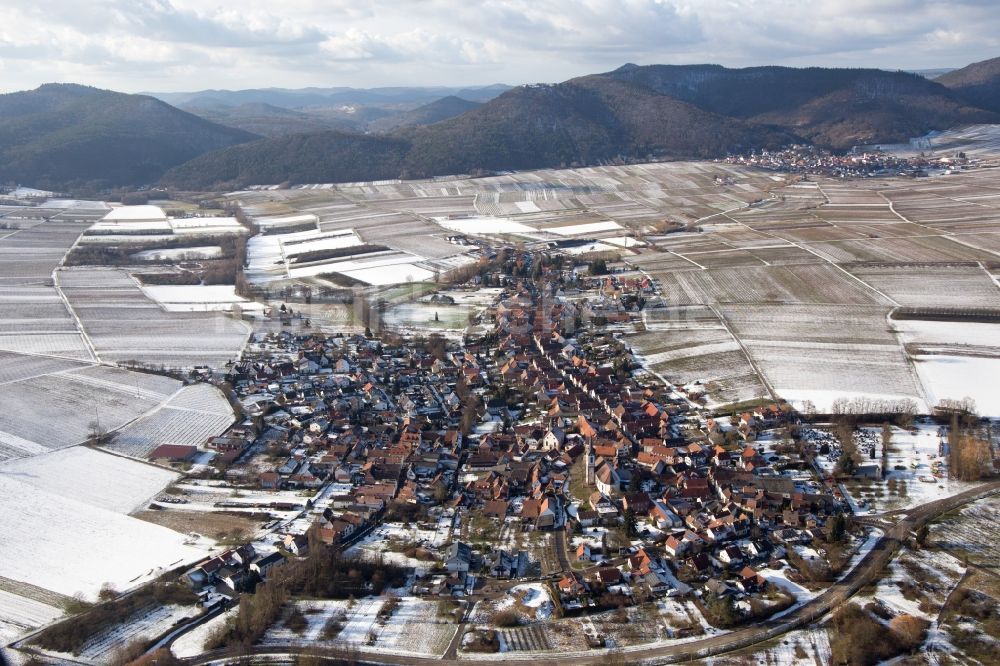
[909, 630]
[858, 639]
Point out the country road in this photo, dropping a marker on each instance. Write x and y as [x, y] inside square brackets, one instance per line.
[866, 571]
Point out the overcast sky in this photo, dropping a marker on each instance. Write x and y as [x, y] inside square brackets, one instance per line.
[183, 45]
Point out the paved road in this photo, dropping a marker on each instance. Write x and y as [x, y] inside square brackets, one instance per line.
[868, 570]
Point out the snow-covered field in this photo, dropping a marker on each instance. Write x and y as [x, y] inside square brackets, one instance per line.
[70, 546]
[98, 479]
[56, 410]
[19, 615]
[193, 415]
[486, 225]
[583, 229]
[179, 253]
[957, 377]
[391, 274]
[196, 298]
[192, 642]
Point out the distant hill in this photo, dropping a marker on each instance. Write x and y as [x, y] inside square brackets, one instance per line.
[289, 98]
[63, 135]
[978, 83]
[266, 120]
[834, 108]
[582, 121]
[428, 114]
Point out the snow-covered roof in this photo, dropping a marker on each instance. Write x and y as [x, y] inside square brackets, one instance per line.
[135, 214]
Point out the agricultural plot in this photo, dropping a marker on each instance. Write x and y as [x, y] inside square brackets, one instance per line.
[928, 249]
[55, 411]
[30, 255]
[192, 416]
[19, 615]
[807, 283]
[123, 324]
[146, 624]
[821, 353]
[689, 346]
[197, 298]
[932, 285]
[107, 546]
[972, 533]
[81, 474]
[955, 359]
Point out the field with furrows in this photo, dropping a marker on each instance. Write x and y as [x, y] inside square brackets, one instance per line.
[191, 417]
[125, 325]
[56, 411]
[928, 249]
[805, 283]
[971, 533]
[30, 255]
[932, 285]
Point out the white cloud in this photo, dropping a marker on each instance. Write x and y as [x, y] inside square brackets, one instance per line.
[191, 44]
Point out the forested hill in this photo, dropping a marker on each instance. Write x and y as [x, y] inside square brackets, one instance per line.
[834, 108]
[582, 121]
[63, 135]
[977, 84]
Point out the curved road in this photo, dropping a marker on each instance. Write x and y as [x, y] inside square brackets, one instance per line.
[869, 569]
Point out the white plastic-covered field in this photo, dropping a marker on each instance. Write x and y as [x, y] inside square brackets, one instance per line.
[584, 229]
[192, 416]
[73, 544]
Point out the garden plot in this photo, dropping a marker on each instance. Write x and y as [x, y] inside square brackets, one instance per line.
[107, 547]
[179, 253]
[192, 643]
[145, 625]
[947, 285]
[916, 472]
[81, 474]
[192, 416]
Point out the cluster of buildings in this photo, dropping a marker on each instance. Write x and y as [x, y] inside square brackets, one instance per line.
[541, 425]
[864, 164]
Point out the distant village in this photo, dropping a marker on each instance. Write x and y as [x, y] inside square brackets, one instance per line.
[864, 162]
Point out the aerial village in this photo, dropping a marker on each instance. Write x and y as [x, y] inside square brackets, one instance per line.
[538, 451]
